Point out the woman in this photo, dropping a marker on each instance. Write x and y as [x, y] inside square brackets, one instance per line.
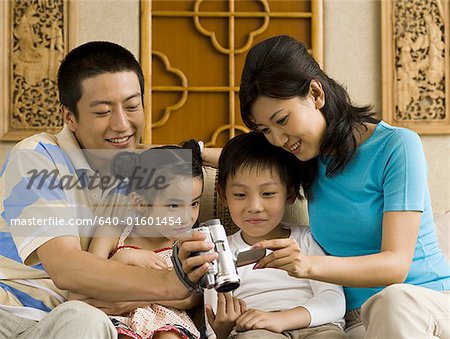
[369, 205]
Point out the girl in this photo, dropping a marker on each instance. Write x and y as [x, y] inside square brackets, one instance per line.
[369, 205]
[165, 190]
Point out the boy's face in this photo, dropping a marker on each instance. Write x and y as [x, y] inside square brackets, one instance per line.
[256, 200]
[110, 112]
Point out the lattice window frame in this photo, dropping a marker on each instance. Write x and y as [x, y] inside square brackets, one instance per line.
[316, 16]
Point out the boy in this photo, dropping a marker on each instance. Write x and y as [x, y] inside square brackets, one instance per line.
[256, 180]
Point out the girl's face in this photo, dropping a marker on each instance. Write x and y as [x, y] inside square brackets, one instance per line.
[175, 208]
[294, 124]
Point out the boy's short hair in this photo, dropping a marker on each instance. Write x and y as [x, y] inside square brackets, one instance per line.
[89, 60]
[252, 151]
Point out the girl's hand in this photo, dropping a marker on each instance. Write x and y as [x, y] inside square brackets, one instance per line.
[141, 258]
[255, 320]
[286, 256]
[229, 309]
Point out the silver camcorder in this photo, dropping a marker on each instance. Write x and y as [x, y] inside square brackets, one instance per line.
[222, 273]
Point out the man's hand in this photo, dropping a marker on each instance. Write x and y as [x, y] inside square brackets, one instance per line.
[109, 307]
[229, 309]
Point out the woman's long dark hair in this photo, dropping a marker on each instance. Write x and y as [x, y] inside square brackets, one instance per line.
[281, 67]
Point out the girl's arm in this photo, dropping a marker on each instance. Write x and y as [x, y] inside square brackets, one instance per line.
[104, 241]
[390, 266]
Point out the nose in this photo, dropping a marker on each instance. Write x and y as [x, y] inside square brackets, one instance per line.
[254, 205]
[278, 138]
[119, 120]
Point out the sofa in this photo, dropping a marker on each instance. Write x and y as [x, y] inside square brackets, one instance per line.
[212, 207]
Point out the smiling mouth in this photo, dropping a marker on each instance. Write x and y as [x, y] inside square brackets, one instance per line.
[121, 140]
[255, 221]
[294, 147]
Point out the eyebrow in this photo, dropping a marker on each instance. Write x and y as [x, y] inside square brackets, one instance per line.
[106, 102]
[263, 184]
[272, 116]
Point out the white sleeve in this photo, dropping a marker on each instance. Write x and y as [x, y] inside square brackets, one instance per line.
[328, 302]
[210, 298]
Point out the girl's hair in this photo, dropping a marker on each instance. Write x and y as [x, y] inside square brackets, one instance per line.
[252, 151]
[167, 161]
[281, 67]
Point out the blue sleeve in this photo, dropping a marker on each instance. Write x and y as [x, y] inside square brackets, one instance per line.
[405, 173]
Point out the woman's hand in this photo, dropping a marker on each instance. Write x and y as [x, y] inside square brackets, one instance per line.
[141, 258]
[286, 256]
[229, 309]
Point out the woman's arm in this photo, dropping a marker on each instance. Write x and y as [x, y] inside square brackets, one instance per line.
[390, 266]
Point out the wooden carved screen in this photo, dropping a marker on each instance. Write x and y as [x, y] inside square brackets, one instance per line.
[193, 52]
[416, 64]
[34, 37]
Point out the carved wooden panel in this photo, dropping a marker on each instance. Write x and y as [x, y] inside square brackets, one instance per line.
[416, 64]
[34, 40]
[193, 53]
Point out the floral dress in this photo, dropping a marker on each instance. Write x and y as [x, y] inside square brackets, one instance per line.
[145, 322]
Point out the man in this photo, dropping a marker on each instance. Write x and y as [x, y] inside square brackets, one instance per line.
[101, 87]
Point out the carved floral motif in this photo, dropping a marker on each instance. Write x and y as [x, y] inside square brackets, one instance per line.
[37, 47]
[419, 40]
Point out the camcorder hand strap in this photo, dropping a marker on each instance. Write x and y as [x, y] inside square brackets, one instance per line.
[191, 286]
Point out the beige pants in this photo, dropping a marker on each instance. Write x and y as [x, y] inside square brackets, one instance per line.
[328, 331]
[402, 311]
[71, 319]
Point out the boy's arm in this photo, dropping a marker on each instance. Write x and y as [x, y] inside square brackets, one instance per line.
[328, 301]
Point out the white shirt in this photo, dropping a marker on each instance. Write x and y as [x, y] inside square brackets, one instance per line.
[274, 290]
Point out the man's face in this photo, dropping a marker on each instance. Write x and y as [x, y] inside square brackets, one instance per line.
[110, 112]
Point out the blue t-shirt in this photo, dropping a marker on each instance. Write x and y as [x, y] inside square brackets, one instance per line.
[387, 173]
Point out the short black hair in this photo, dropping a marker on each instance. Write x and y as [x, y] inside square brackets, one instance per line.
[253, 151]
[89, 60]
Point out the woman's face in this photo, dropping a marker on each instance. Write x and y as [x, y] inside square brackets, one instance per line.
[295, 124]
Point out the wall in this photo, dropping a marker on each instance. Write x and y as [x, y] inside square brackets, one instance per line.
[352, 57]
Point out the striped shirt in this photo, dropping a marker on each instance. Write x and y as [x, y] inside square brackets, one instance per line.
[25, 288]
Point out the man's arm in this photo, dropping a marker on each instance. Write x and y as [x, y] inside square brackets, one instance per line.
[85, 273]
[88, 274]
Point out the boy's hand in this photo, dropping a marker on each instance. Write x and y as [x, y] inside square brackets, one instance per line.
[229, 309]
[254, 320]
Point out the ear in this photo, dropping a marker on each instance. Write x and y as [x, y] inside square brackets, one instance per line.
[291, 196]
[69, 119]
[138, 202]
[316, 91]
[221, 194]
